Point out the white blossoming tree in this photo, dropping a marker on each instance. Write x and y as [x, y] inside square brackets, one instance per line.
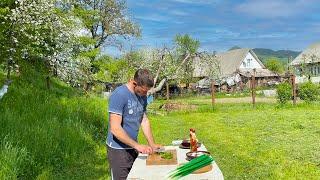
[45, 30]
[164, 63]
[105, 23]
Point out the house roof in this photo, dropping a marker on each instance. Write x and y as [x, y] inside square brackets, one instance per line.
[229, 62]
[309, 55]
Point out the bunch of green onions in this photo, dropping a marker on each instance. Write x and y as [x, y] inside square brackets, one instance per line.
[191, 166]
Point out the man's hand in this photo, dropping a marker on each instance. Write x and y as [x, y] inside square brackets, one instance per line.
[144, 149]
[156, 146]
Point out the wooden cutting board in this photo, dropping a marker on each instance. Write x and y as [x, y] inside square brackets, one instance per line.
[203, 169]
[155, 159]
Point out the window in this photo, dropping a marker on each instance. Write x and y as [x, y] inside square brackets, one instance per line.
[244, 64]
[249, 62]
[318, 70]
[298, 71]
[310, 70]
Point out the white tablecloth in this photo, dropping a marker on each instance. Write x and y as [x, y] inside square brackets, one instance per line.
[141, 171]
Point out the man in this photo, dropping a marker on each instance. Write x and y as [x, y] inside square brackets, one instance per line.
[127, 112]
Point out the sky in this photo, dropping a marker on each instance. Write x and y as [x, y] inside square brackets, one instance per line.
[222, 24]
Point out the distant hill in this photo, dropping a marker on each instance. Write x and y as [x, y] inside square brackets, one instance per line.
[234, 47]
[282, 55]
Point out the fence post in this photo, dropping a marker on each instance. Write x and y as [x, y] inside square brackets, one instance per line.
[167, 87]
[294, 94]
[253, 87]
[213, 91]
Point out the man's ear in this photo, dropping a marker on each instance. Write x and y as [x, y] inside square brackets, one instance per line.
[134, 83]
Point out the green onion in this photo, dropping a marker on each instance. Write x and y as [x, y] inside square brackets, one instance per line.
[193, 161]
[191, 166]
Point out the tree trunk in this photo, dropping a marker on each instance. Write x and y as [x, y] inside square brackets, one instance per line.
[168, 93]
[158, 72]
[158, 88]
[48, 82]
[9, 71]
[183, 61]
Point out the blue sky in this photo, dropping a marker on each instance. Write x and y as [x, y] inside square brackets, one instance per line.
[221, 24]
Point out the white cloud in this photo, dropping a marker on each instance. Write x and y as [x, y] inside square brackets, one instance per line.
[274, 8]
[179, 13]
[276, 35]
[153, 17]
[314, 27]
[198, 1]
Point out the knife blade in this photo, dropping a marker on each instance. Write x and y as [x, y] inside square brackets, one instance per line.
[159, 150]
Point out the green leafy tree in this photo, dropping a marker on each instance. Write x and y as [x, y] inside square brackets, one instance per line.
[106, 21]
[274, 65]
[186, 47]
[112, 70]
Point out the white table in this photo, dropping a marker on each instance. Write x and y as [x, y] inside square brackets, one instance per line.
[140, 171]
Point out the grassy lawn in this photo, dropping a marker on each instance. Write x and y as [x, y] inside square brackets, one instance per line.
[51, 134]
[268, 142]
[60, 134]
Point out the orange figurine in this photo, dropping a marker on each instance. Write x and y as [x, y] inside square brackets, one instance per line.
[193, 140]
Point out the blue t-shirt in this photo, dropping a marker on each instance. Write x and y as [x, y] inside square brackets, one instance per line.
[131, 107]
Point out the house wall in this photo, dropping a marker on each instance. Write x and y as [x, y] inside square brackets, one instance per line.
[311, 72]
[314, 69]
[310, 69]
[250, 62]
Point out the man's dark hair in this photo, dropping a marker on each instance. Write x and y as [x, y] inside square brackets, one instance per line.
[143, 77]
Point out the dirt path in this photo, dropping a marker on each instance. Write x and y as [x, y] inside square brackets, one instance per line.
[245, 100]
[232, 100]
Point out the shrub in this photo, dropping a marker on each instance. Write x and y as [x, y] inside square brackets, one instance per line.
[309, 91]
[284, 92]
[98, 88]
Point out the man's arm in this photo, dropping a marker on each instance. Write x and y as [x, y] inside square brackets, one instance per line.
[146, 128]
[117, 130]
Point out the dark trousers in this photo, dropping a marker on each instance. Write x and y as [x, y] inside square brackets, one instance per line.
[121, 161]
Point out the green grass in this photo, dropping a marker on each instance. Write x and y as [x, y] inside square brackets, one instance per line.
[51, 134]
[60, 134]
[268, 142]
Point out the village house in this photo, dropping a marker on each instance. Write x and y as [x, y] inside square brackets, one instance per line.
[307, 64]
[234, 69]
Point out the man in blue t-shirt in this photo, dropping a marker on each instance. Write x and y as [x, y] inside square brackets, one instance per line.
[127, 112]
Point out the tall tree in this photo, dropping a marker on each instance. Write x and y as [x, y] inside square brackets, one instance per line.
[186, 47]
[112, 70]
[273, 64]
[106, 20]
[39, 30]
[5, 10]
